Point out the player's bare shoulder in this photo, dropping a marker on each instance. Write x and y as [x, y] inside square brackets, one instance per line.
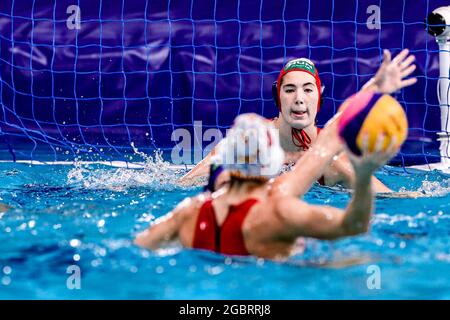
[190, 206]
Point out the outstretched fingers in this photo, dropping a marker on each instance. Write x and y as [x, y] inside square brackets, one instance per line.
[379, 143]
[406, 72]
[393, 146]
[386, 57]
[401, 56]
[409, 60]
[365, 143]
[407, 82]
[385, 155]
[380, 154]
[376, 155]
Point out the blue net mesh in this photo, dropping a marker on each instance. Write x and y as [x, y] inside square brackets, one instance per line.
[89, 78]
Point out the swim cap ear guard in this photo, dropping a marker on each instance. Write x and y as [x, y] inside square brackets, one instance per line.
[214, 171]
[275, 94]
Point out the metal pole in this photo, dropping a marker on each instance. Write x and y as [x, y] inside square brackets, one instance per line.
[444, 98]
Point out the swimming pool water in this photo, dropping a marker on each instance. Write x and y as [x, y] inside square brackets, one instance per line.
[87, 216]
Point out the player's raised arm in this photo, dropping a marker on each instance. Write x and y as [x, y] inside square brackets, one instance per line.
[325, 222]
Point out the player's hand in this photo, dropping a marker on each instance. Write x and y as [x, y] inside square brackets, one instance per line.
[370, 161]
[391, 75]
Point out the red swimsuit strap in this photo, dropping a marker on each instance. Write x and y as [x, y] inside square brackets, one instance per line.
[301, 139]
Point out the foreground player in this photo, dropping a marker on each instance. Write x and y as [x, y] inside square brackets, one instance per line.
[253, 215]
[297, 95]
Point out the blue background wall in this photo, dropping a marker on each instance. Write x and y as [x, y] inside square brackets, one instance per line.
[137, 70]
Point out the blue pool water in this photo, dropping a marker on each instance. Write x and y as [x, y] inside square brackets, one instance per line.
[86, 216]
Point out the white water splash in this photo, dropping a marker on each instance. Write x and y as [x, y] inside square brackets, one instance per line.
[155, 173]
[433, 188]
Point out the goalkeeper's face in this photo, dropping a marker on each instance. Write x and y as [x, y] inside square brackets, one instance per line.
[299, 98]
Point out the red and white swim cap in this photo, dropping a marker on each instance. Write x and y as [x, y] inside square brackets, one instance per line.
[252, 147]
